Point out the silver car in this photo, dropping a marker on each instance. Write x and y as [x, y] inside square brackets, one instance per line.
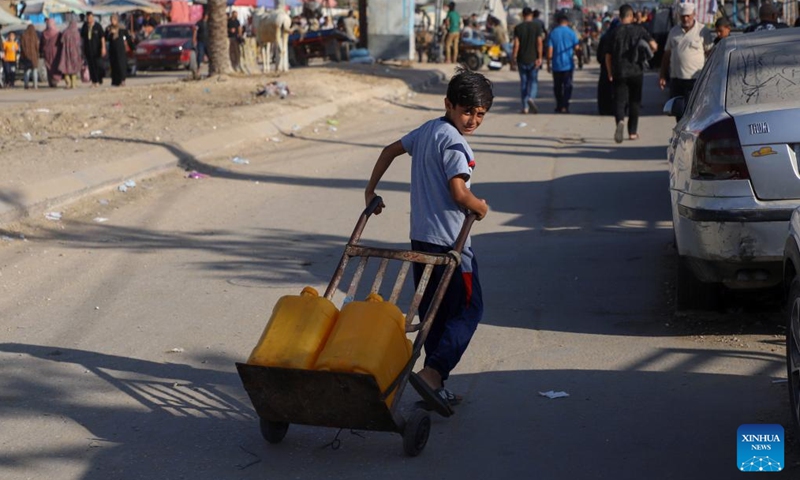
[791, 268]
[733, 164]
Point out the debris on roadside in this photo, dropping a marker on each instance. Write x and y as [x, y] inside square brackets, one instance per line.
[95, 133]
[127, 185]
[175, 350]
[42, 110]
[100, 219]
[522, 125]
[240, 161]
[275, 88]
[27, 136]
[333, 121]
[196, 175]
[361, 56]
[331, 128]
[551, 394]
[54, 216]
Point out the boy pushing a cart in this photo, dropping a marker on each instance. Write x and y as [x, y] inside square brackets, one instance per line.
[441, 170]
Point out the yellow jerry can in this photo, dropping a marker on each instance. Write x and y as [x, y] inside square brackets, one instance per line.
[296, 332]
[369, 337]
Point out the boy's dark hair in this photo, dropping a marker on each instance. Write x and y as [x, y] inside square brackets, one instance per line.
[451, 5]
[625, 10]
[470, 89]
[536, 13]
[526, 11]
[722, 22]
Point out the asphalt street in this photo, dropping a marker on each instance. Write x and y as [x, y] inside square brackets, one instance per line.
[118, 339]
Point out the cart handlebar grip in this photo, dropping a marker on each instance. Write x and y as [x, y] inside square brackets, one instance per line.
[362, 220]
[373, 205]
[464, 233]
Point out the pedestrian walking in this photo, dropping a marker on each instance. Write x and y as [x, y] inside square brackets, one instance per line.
[723, 29]
[768, 19]
[442, 164]
[119, 43]
[10, 52]
[200, 43]
[94, 48]
[527, 54]
[625, 62]
[562, 45]
[234, 35]
[605, 88]
[29, 60]
[50, 52]
[452, 27]
[70, 60]
[684, 53]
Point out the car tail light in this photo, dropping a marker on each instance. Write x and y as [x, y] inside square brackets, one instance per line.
[718, 154]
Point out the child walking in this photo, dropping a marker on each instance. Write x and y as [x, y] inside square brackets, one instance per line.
[442, 163]
[10, 51]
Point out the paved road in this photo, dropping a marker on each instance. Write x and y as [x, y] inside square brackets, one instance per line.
[576, 263]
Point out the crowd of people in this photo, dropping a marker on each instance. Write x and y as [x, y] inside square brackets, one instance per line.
[625, 46]
[87, 53]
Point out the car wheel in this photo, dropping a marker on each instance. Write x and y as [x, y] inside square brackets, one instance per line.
[472, 61]
[691, 293]
[793, 349]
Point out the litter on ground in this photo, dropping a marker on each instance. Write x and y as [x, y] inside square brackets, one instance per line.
[100, 219]
[551, 394]
[241, 161]
[54, 216]
[522, 125]
[196, 175]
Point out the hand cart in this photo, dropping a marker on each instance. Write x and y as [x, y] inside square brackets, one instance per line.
[282, 396]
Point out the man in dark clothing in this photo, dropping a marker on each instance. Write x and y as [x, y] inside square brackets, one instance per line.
[234, 34]
[94, 48]
[200, 38]
[768, 15]
[625, 64]
[528, 50]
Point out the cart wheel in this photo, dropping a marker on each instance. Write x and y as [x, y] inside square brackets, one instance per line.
[273, 432]
[416, 432]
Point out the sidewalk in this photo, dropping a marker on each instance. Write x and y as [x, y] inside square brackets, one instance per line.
[39, 189]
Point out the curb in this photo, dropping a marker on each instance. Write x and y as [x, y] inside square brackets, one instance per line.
[163, 157]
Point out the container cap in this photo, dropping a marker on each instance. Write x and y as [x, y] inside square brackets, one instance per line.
[310, 291]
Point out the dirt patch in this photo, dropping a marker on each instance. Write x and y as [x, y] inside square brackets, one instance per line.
[50, 139]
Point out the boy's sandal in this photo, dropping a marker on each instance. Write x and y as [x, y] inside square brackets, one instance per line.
[432, 397]
[633, 136]
[451, 398]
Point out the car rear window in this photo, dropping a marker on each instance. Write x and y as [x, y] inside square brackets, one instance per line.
[765, 75]
[173, 32]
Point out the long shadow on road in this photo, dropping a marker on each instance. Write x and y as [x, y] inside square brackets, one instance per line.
[148, 419]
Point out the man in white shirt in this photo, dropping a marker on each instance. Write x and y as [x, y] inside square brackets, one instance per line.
[685, 53]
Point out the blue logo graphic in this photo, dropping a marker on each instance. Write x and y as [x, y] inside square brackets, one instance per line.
[759, 448]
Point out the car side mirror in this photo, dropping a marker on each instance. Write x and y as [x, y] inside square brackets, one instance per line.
[675, 107]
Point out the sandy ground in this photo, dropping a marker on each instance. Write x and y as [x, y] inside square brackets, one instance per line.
[49, 139]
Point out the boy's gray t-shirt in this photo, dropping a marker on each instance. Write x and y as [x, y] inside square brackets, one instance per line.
[438, 153]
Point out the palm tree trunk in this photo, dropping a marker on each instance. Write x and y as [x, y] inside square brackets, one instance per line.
[219, 58]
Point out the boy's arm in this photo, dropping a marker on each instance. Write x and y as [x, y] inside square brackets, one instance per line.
[388, 154]
[464, 198]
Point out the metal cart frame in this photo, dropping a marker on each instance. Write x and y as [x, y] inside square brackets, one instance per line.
[282, 396]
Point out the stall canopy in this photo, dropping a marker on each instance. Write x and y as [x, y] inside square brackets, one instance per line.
[122, 6]
[6, 19]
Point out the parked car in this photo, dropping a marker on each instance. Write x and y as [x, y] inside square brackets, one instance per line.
[791, 268]
[168, 47]
[733, 165]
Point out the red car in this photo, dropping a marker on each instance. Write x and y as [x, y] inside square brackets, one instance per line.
[168, 47]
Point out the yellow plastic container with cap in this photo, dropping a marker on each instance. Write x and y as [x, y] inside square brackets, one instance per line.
[296, 332]
[369, 337]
